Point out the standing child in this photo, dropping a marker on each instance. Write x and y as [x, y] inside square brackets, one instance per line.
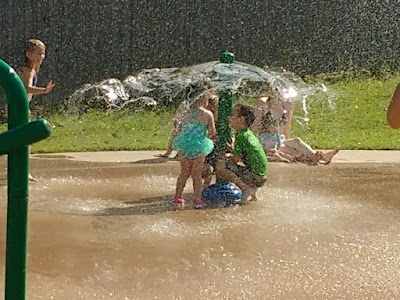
[211, 159]
[248, 151]
[193, 144]
[35, 53]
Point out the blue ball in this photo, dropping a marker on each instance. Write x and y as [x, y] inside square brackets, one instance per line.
[222, 194]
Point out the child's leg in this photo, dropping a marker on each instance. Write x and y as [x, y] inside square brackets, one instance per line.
[186, 166]
[30, 177]
[285, 156]
[206, 174]
[299, 146]
[242, 177]
[229, 175]
[278, 156]
[197, 167]
[300, 150]
[282, 157]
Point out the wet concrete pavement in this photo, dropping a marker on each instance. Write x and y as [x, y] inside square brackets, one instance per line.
[344, 156]
[101, 229]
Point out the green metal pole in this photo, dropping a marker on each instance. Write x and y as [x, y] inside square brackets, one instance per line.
[224, 110]
[23, 135]
[17, 187]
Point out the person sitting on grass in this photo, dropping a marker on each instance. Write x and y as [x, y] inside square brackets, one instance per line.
[247, 166]
[271, 116]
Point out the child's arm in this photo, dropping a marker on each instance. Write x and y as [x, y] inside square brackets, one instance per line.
[231, 153]
[234, 158]
[27, 79]
[212, 132]
[236, 151]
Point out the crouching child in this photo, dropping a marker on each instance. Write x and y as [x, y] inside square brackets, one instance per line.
[247, 166]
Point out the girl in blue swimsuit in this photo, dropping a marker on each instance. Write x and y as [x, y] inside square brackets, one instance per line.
[35, 53]
[194, 144]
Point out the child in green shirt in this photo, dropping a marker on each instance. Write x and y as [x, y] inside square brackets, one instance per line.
[247, 166]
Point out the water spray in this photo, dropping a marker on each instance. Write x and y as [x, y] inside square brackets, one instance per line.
[224, 192]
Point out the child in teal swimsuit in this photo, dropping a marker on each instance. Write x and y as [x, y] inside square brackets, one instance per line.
[194, 145]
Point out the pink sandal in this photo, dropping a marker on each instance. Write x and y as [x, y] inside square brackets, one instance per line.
[199, 203]
[178, 204]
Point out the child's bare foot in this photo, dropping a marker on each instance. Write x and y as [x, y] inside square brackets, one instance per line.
[165, 155]
[253, 197]
[312, 161]
[248, 194]
[32, 179]
[327, 157]
[318, 156]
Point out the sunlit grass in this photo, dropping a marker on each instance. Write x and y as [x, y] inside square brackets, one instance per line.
[98, 131]
[358, 120]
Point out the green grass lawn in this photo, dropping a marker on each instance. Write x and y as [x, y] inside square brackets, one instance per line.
[358, 121]
[98, 131]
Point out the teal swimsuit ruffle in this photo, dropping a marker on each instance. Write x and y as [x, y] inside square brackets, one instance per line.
[193, 140]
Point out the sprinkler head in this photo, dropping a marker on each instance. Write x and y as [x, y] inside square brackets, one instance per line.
[227, 57]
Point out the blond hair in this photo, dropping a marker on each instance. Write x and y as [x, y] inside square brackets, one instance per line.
[31, 46]
[213, 99]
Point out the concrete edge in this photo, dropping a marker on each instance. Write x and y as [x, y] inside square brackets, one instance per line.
[344, 156]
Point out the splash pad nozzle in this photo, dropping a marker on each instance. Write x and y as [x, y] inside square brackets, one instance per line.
[227, 57]
[223, 192]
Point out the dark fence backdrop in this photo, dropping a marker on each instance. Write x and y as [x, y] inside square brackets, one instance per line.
[90, 40]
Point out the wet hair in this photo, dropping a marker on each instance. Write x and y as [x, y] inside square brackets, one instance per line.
[204, 95]
[247, 112]
[213, 102]
[213, 99]
[268, 121]
[31, 46]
